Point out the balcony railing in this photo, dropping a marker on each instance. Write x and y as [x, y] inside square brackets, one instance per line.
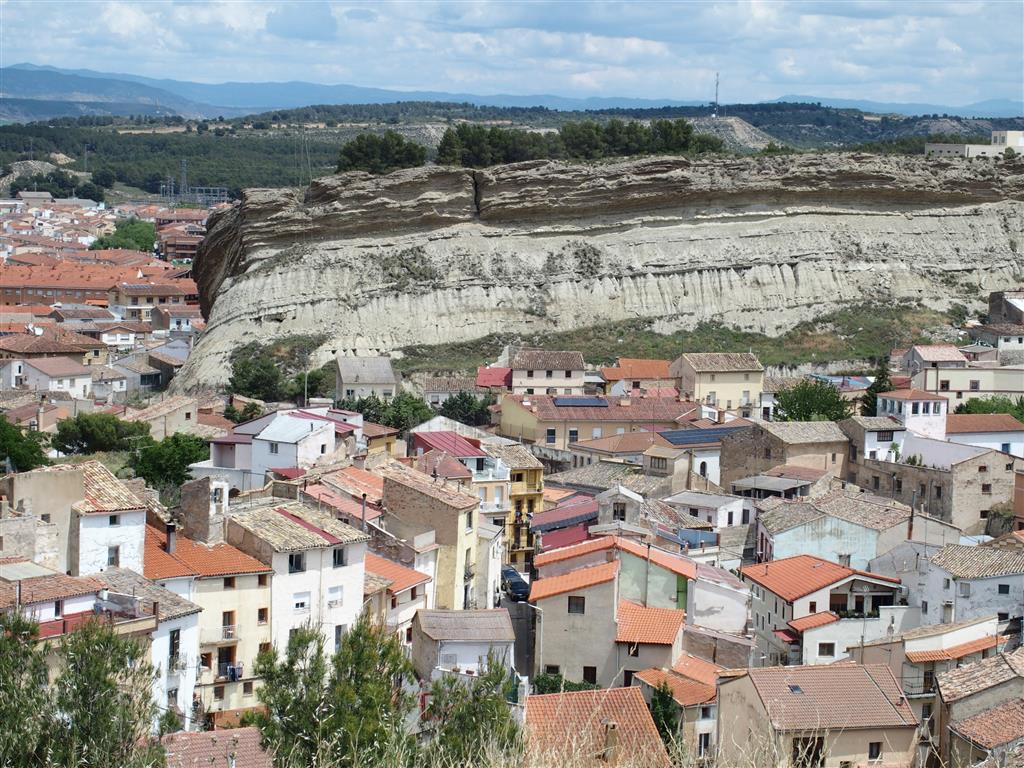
[490, 473]
[470, 572]
[229, 671]
[228, 633]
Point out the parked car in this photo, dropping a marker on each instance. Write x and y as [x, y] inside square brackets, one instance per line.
[513, 584]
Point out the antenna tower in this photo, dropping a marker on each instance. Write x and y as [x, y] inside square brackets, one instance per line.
[714, 112]
[183, 187]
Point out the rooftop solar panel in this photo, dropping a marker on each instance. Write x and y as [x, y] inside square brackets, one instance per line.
[695, 436]
[582, 402]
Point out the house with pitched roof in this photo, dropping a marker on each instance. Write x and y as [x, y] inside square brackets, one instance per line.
[606, 727]
[693, 683]
[995, 431]
[405, 593]
[978, 708]
[839, 715]
[357, 377]
[815, 445]
[547, 372]
[803, 594]
[632, 376]
[918, 656]
[238, 747]
[49, 374]
[727, 379]
[317, 562]
[526, 498]
[460, 641]
[921, 356]
[966, 582]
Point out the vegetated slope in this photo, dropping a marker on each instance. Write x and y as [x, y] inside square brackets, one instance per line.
[439, 255]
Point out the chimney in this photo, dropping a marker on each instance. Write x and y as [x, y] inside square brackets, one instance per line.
[611, 741]
[172, 538]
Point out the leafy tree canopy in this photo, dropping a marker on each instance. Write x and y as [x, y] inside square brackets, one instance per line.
[557, 684]
[882, 383]
[257, 375]
[164, 464]
[812, 400]
[23, 451]
[999, 404]
[467, 408]
[402, 412]
[247, 412]
[130, 234]
[98, 432]
[380, 153]
[59, 184]
[665, 713]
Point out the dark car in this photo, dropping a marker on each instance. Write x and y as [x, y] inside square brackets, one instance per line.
[513, 583]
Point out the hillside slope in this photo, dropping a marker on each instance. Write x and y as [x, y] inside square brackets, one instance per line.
[431, 255]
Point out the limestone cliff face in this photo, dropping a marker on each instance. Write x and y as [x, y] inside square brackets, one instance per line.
[434, 255]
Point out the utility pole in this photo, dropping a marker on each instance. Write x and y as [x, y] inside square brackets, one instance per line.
[714, 112]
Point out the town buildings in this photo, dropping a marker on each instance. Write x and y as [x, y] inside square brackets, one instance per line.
[461, 641]
[729, 380]
[358, 377]
[544, 372]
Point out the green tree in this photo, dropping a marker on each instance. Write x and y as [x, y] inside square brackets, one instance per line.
[24, 700]
[812, 400]
[104, 697]
[380, 154]
[249, 411]
[256, 375]
[882, 383]
[449, 150]
[320, 383]
[471, 717]
[997, 404]
[665, 713]
[465, 407]
[373, 408]
[104, 177]
[405, 410]
[164, 464]
[97, 432]
[23, 451]
[131, 234]
[90, 191]
[557, 684]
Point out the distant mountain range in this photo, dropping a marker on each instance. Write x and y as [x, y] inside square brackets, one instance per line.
[82, 92]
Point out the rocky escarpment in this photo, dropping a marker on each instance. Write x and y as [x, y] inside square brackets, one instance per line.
[434, 255]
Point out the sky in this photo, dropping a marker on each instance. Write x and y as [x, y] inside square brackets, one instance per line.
[931, 51]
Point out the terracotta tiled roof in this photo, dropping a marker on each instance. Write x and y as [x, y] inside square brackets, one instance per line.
[722, 361]
[294, 526]
[627, 442]
[582, 578]
[128, 582]
[56, 367]
[686, 692]
[574, 724]
[956, 651]
[819, 619]
[372, 430]
[798, 432]
[401, 577]
[237, 746]
[637, 368]
[201, 559]
[449, 442]
[515, 455]
[486, 624]
[567, 553]
[993, 727]
[677, 564]
[493, 377]
[652, 411]
[43, 589]
[698, 669]
[418, 481]
[939, 353]
[833, 697]
[794, 577]
[966, 562]
[104, 493]
[653, 626]
[543, 359]
[959, 423]
[157, 564]
[973, 678]
[912, 394]
[443, 464]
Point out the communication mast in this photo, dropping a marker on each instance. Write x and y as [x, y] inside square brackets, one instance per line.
[714, 109]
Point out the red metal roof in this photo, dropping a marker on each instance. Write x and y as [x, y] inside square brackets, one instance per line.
[451, 443]
[493, 377]
[565, 537]
[330, 538]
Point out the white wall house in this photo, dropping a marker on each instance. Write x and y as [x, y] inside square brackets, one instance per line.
[447, 640]
[923, 413]
[318, 565]
[720, 510]
[110, 539]
[57, 374]
[962, 583]
[996, 431]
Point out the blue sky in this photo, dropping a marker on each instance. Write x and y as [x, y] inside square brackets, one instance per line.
[933, 51]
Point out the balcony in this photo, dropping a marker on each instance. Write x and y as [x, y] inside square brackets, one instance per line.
[230, 672]
[470, 572]
[223, 635]
[494, 506]
[491, 473]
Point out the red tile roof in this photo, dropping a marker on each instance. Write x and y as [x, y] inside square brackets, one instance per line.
[678, 564]
[686, 692]
[493, 377]
[359, 481]
[911, 394]
[814, 620]
[794, 577]
[401, 577]
[564, 537]
[956, 651]
[637, 368]
[192, 558]
[697, 669]
[656, 411]
[240, 747]
[653, 626]
[43, 589]
[959, 423]
[582, 578]
[451, 443]
[574, 724]
[444, 464]
[993, 727]
[341, 501]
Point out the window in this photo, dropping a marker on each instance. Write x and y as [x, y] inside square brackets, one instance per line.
[619, 511]
[826, 649]
[261, 580]
[114, 520]
[964, 588]
[1004, 447]
[45, 517]
[945, 583]
[247, 688]
[926, 407]
[300, 602]
[552, 669]
[229, 582]
[627, 677]
[729, 518]
[703, 744]
[975, 385]
[334, 596]
[323, 447]
[658, 462]
[633, 649]
[812, 606]
[58, 608]
[273, 448]
[982, 468]
[339, 634]
[746, 516]
[885, 436]
[833, 458]
[549, 437]
[262, 615]
[1002, 616]
[264, 648]
[113, 556]
[899, 485]
[577, 604]
[924, 607]
[875, 750]
[296, 562]
[937, 408]
[574, 435]
[944, 385]
[767, 453]
[568, 374]
[986, 487]
[338, 557]
[938, 491]
[218, 693]
[408, 634]
[874, 482]
[590, 675]
[705, 713]
[548, 374]
[844, 560]
[1004, 589]
[597, 432]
